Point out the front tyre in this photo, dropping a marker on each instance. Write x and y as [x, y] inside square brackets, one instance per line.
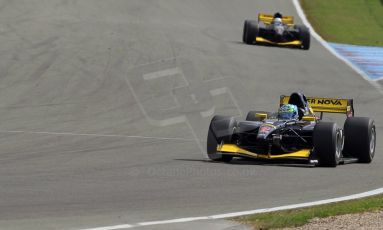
[250, 31]
[304, 36]
[360, 138]
[328, 141]
[221, 130]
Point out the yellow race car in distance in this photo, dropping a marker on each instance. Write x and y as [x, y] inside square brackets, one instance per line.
[276, 30]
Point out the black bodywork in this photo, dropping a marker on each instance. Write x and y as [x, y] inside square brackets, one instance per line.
[274, 136]
[279, 33]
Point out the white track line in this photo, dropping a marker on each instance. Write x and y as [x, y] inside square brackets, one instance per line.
[235, 214]
[122, 226]
[98, 135]
[332, 50]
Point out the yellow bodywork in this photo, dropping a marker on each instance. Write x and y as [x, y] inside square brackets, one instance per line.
[261, 116]
[309, 118]
[234, 149]
[268, 18]
[327, 105]
[294, 43]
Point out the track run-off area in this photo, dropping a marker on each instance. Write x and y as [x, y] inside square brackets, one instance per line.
[105, 107]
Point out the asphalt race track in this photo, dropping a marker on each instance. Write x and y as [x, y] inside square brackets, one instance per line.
[105, 106]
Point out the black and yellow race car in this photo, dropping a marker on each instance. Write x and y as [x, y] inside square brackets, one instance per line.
[307, 139]
[276, 30]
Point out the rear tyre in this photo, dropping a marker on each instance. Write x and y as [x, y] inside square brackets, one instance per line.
[328, 141]
[250, 31]
[304, 36]
[251, 115]
[221, 130]
[360, 138]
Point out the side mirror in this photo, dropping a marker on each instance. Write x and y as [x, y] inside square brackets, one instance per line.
[308, 118]
[261, 116]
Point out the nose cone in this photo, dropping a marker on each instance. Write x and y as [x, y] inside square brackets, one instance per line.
[279, 30]
[264, 131]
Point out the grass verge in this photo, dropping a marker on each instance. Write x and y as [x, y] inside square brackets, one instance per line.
[299, 217]
[358, 22]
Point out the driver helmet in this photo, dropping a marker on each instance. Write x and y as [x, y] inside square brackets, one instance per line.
[277, 15]
[277, 21]
[288, 112]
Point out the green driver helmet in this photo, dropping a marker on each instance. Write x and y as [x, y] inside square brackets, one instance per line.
[288, 112]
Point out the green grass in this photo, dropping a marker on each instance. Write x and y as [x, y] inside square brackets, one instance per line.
[299, 217]
[358, 22]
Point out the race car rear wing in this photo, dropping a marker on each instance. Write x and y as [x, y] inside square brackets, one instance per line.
[268, 18]
[327, 105]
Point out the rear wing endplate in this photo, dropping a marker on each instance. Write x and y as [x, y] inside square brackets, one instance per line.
[268, 18]
[327, 105]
